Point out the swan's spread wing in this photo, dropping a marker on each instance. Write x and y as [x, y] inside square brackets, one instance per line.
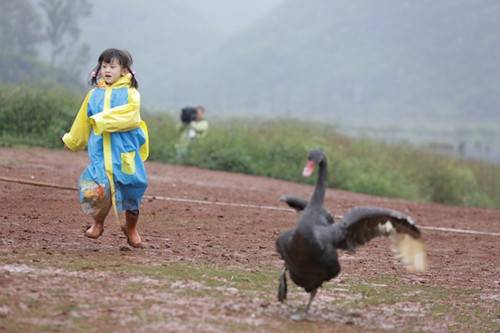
[299, 204]
[362, 224]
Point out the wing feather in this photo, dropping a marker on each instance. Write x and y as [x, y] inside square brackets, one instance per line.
[362, 224]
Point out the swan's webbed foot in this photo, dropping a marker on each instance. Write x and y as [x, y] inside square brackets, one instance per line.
[299, 316]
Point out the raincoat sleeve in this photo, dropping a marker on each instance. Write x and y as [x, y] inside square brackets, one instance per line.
[121, 118]
[76, 139]
[201, 127]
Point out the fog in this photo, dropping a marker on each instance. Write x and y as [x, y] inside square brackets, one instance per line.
[232, 16]
[401, 70]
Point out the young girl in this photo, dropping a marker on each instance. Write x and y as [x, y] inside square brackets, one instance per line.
[110, 125]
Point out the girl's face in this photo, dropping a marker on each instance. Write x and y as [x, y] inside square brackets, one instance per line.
[112, 71]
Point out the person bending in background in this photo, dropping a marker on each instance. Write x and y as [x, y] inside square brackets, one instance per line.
[193, 126]
[110, 125]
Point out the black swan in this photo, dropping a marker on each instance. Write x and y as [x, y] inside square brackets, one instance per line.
[310, 249]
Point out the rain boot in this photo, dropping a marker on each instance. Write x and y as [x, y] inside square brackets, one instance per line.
[130, 230]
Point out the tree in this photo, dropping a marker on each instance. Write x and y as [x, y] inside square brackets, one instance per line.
[62, 30]
[20, 24]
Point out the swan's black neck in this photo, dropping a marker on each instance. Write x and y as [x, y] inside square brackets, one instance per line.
[318, 196]
[310, 215]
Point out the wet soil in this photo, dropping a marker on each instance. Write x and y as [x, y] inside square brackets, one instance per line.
[47, 222]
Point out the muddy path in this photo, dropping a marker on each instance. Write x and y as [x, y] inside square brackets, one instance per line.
[213, 268]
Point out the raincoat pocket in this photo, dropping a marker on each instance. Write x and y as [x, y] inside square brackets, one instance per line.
[128, 162]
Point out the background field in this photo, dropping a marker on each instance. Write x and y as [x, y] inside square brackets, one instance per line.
[212, 268]
[40, 115]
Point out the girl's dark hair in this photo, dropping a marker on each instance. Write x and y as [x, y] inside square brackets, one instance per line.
[123, 57]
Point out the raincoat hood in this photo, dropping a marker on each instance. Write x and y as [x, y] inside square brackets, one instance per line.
[123, 81]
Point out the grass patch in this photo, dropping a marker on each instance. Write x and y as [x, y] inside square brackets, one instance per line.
[461, 307]
[212, 275]
[122, 292]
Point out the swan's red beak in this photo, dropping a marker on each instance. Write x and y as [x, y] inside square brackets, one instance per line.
[309, 168]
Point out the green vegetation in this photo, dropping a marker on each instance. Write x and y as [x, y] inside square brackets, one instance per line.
[36, 116]
[278, 148]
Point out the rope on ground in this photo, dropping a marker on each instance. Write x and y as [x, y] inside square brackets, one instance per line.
[220, 203]
[459, 231]
[34, 183]
[152, 197]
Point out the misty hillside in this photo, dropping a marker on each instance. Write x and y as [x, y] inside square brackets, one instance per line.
[25, 70]
[386, 61]
[160, 34]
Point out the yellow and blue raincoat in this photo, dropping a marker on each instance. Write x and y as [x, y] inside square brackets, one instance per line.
[110, 125]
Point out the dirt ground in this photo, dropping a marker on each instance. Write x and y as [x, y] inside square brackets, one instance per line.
[212, 267]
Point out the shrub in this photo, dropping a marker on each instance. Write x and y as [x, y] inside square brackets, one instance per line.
[278, 149]
[36, 116]
[451, 183]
